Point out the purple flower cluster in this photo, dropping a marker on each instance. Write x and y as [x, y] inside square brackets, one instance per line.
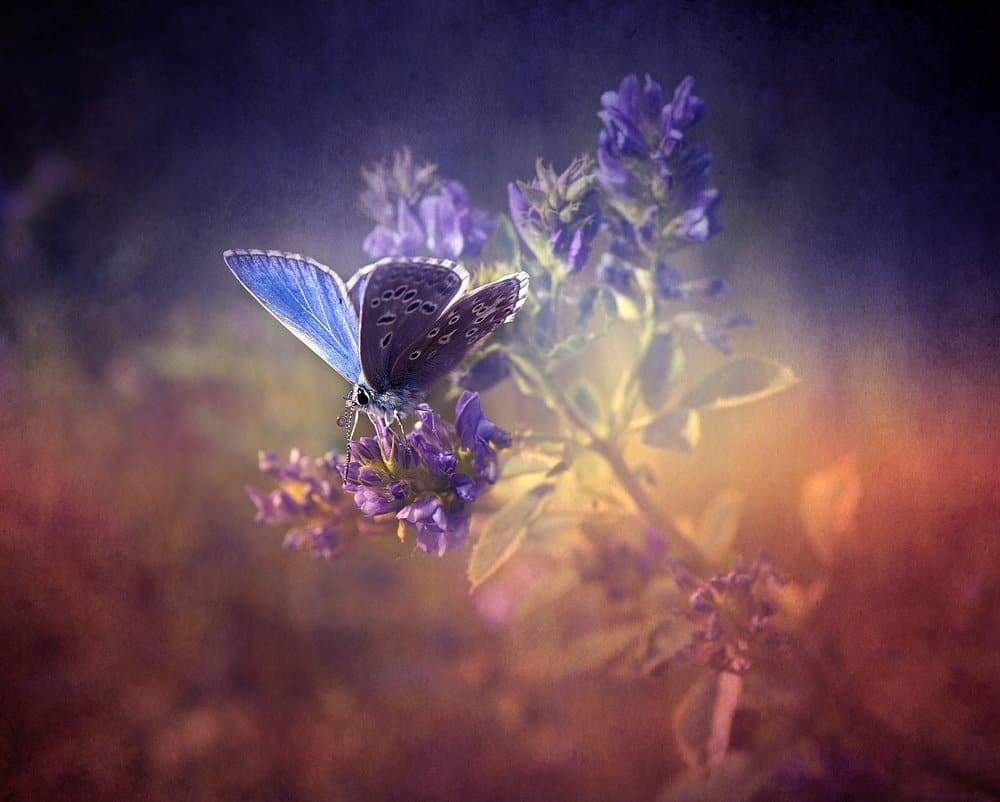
[309, 489]
[731, 614]
[652, 177]
[428, 477]
[418, 213]
[557, 216]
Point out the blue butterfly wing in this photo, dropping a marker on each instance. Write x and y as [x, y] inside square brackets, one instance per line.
[356, 288]
[468, 321]
[400, 298]
[308, 298]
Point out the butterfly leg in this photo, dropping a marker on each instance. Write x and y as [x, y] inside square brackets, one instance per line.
[397, 419]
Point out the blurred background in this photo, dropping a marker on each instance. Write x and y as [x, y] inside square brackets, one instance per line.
[159, 645]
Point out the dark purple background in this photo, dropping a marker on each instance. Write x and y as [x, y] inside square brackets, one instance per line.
[856, 143]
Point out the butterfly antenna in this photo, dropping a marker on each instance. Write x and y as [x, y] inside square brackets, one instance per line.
[350, 437]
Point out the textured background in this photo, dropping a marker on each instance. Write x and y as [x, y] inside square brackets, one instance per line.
[157, 645]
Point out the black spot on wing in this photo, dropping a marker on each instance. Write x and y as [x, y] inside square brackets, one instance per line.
[467, 322]
[406, 295]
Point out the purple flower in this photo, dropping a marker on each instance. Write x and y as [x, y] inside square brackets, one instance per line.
[711, 330]
[651, 175]
[404, 239]
[670, 285]
[437, 527]
[479, 435]
[309, 490]
[426, 479]
[731, 614]
[323, 540]
[621, 564]
[485, 372]
[557, 216]
[700, 221]
[417, 212]
[429, 476]
[617, 274]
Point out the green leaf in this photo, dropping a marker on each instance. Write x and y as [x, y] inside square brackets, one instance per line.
[718, 525]
[505, 532]
[740, 381]
[704, 717]
[661, 368]
[627, 309]
[677, 430]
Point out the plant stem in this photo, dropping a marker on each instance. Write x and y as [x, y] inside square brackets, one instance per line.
[682, 548]
[609, 450]
[624, 399]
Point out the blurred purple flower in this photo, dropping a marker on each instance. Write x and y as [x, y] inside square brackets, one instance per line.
[670, 285]
[622, 564]
[557, 216]
[309, 489]
[485, 372]
[714, 331]
[731, 614]
[617, 274]
[651, 176]
[700, 221]
[416, 212]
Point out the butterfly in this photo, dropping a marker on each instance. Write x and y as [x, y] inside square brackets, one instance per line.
[393, 330]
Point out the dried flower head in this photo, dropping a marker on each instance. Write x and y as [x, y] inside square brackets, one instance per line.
[557, 215]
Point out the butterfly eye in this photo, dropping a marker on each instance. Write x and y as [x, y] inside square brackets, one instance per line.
[361, 397]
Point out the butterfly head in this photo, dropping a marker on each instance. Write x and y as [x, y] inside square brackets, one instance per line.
[388, 404]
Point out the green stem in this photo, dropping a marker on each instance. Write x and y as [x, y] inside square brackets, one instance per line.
[607, 448]
[625, 398]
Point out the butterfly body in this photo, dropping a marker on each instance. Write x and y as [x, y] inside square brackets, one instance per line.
[393, 330]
